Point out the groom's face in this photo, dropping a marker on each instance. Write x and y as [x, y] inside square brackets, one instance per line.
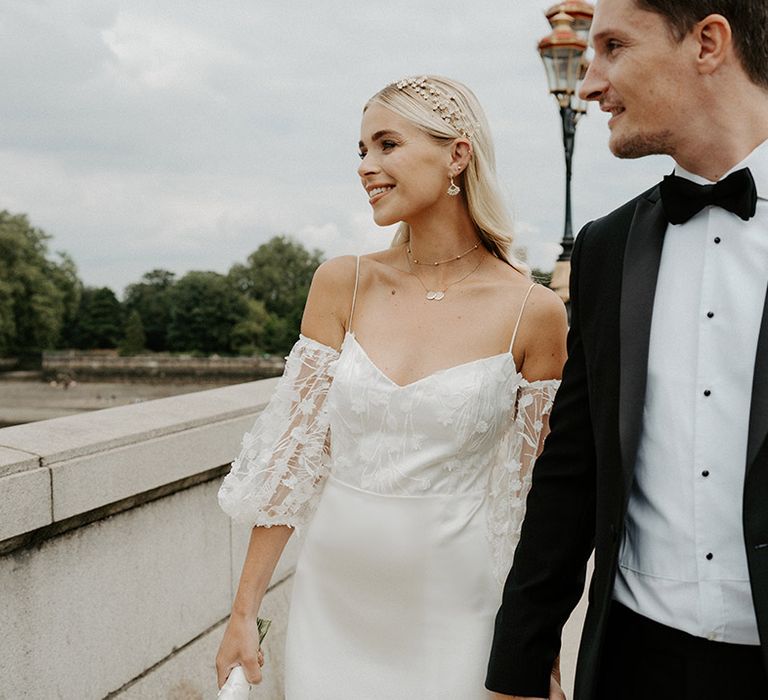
[641, 75]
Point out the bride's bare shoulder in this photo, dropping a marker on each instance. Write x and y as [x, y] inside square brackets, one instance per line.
[329, 303]
[335, 272]
[339, 268]
[543, 329]
[544, 312]
[329, 300]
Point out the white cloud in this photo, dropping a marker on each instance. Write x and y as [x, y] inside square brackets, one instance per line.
[183, 135]
[163, 54]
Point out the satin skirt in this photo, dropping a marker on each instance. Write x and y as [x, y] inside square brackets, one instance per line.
[393, 598]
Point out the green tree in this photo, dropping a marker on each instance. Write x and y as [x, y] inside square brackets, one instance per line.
[248, 335]
[8, 344]
[278, 273]
[37, 295]
[66, 279]
[151, 299]
[99, 321]
[205, 309]
[280, 334]
[135, 339]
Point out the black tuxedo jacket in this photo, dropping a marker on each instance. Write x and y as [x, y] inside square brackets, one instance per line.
[582, 480]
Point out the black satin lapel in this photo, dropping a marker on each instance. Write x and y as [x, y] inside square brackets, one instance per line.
[758, 412]
[641, 269]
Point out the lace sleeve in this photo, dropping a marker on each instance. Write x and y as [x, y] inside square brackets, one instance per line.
[510, 478]
[277, 478]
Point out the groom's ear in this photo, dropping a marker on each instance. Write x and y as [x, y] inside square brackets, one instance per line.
[715, 40]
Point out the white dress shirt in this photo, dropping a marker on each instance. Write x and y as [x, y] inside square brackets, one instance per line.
[682, 560]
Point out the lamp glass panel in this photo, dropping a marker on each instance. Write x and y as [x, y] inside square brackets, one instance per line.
[549, 66]
[581, 29]
[574, 67]
[565, 68]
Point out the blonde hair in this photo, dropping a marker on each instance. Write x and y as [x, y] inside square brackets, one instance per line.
[479, 181]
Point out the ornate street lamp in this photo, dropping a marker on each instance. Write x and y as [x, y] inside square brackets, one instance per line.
[563, 53]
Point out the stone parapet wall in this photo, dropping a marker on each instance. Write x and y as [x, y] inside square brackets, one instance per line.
[99, 365]
[116, 565]
[8, 363]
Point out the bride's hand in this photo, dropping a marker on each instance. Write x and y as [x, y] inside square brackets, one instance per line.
[240, 647]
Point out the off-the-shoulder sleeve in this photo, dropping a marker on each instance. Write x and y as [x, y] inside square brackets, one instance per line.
[278, 477]
[510, 478]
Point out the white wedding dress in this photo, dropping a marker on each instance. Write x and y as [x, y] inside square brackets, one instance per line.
[411, 499]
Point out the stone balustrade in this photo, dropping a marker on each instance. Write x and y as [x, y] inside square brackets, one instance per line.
[117, 567]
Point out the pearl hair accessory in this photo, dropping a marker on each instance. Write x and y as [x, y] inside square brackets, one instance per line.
[447, 106]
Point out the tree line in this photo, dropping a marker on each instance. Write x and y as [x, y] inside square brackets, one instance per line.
[255, 308]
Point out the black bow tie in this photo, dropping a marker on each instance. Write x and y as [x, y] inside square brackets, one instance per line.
[683, 199]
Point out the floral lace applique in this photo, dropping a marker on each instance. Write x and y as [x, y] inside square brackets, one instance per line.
[511, 474]
[278, 477]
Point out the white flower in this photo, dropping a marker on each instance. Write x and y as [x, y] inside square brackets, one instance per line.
[306, 406]
[299, 434]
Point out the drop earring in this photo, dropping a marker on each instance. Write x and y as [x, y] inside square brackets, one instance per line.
[454, 189]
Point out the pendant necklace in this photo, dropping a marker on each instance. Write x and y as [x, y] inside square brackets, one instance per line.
[437, 294]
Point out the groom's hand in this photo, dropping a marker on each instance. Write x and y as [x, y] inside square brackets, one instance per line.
[555, 693]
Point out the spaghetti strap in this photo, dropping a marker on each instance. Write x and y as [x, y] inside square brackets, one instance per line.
[520, 316]
[354, 295]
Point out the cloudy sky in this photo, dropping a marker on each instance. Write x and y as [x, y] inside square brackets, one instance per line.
[182, 134]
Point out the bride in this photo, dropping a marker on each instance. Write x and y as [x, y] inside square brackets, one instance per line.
[401, 437]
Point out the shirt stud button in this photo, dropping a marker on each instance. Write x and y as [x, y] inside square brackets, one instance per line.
[710, 556]
[710, 314]
[717, 240]
[707, 392]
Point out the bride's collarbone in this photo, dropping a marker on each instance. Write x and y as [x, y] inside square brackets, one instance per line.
[432, 325]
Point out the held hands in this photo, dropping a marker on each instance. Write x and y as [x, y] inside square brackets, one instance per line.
[555, 692]
[240, 647]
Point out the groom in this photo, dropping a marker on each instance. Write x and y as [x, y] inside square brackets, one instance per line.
[658, 457]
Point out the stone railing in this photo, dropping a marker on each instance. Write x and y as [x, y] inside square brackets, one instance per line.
[117, 567]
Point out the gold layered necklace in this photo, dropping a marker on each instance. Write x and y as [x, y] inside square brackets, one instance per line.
[412, 257]
[439, 294]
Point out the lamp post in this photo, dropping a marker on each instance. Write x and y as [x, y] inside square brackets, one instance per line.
[563, 52]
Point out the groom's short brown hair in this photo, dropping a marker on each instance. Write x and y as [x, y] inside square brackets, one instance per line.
[748, 20]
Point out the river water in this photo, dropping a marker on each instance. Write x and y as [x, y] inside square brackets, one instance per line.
[28, 401]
